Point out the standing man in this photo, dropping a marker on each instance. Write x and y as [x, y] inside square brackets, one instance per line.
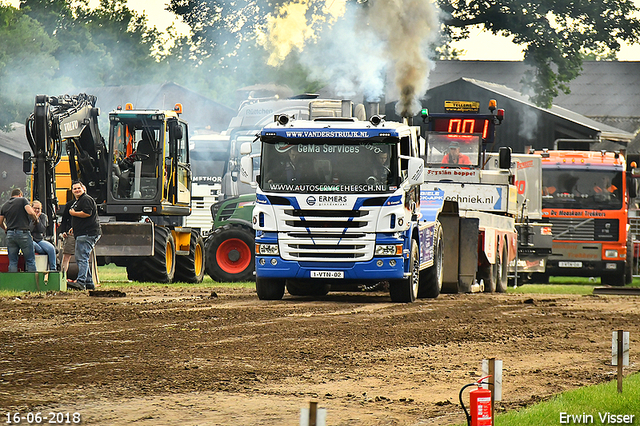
[86, 229]
[15, 218]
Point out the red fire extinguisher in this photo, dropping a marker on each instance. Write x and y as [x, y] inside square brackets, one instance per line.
[479, 404]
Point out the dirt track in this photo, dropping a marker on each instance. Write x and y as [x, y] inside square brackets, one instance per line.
[171, 356]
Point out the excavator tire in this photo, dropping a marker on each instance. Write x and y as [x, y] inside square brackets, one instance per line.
[229, 254]
[190, 268]
[159, 268]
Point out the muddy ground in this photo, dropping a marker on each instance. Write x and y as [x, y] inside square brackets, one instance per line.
[190, 356]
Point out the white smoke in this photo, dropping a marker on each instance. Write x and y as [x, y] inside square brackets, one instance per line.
[355, 53]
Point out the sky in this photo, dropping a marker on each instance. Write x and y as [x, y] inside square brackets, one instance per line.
[481, 45]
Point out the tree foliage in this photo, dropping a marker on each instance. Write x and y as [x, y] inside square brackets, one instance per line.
[26, 63]
[554, 33]
[107, 45]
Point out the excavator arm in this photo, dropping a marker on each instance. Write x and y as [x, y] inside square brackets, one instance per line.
[58, 124]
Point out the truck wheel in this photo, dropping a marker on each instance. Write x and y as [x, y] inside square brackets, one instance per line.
[190, 268]
[307, 288]
[270, 288]
[229, 254]
[159, 268]
[617, 280]
[489, 275]
[431, 278]
[406, 290]
[503, 271]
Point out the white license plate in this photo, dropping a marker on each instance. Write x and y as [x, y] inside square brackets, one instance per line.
[570, 264]
[327, 274]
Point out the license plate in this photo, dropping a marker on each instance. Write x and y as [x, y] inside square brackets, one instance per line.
[570, 264]
[327, 274]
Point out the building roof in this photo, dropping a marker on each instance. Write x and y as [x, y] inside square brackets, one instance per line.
[603, 88]
[606, 132]
[14, 143]
[199, 111]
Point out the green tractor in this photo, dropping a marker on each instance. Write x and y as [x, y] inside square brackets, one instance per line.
[230, 245]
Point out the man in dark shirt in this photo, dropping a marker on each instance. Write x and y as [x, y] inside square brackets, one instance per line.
[15, 218]
[86, 229]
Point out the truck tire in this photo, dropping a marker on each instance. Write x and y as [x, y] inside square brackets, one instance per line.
[431, 278]
[307, 288]
[406, 290]
[502, 278]
[617, 280]
[159, 268]
[489, 275]
[229, 254]
[270, 288]
[190, 268]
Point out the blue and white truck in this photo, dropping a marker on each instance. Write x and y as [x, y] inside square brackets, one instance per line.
[338, 204]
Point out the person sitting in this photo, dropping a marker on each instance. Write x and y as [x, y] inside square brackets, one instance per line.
[454, 157]
[604, 186]
[38, 232]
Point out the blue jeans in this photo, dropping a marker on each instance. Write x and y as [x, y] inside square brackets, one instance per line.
[20, 240]
[84, 246]
[45, 247]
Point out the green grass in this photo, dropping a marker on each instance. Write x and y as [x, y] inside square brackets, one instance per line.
[112, 276]
[590, 400]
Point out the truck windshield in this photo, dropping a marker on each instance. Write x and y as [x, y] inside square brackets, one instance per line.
[335, 166]
[452, 150]
[208, 155]
[582, 189]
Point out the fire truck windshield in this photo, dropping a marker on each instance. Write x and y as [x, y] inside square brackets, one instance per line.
[582, 189]
[329, 165]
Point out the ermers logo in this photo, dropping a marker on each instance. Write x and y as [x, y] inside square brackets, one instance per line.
[332, 200]
[311, 200]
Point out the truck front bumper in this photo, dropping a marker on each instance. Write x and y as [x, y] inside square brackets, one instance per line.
[377, 269]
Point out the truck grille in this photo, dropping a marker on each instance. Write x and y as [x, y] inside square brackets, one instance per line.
[581, 229]
[328, 235]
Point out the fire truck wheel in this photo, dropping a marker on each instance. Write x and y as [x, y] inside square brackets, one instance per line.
[229, 254]
[190, 268]
[307, 288]
[159, 268]
[431, 278]
[503, 271]
[406, 290]
[270, 288]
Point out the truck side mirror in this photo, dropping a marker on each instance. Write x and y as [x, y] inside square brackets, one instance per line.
[632, 184]
[177, 131]
[504, 155]
[246, 170]
[245, 148]
[26, 162]
[416, 171]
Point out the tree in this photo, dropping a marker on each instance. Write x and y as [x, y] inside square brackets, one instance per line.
[27, 64]
[554, 33]
[108, 45]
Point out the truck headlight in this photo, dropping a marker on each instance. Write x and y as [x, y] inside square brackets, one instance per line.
[388, 250]
[267, 249]
[611, 253]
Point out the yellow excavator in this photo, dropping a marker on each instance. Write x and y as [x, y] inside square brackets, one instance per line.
[140, 180]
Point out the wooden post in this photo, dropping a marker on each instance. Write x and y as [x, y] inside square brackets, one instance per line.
[313, 413]
[620, 358]
[492, 385]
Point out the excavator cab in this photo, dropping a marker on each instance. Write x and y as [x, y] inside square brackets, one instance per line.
[149, 171]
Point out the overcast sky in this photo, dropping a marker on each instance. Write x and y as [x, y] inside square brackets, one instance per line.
[480, 46]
